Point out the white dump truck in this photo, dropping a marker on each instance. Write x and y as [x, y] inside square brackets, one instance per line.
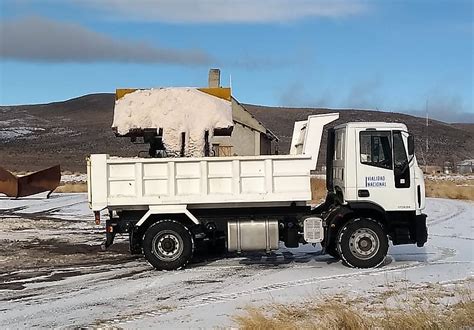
[170, 206]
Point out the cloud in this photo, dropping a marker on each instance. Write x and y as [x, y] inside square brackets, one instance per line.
[226, 11]
[252, 62]
[364, 94]
[296, 95]
[450, 109]
[44, 40]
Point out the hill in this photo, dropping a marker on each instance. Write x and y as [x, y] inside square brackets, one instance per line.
[446, 142]
[469, 127]
[36, 136]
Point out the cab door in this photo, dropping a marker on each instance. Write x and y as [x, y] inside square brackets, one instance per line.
[376, 179]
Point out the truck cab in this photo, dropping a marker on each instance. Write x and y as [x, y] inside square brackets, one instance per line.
[372, 164]
[374, 185]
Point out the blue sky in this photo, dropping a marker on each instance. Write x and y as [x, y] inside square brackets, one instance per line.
[390, 55]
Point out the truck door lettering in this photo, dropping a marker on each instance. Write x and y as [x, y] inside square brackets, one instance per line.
[375, 181]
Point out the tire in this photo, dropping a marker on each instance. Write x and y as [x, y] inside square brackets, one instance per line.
[168, 245]
[362, 243]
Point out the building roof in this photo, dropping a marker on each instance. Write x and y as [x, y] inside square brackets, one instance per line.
[256, 125]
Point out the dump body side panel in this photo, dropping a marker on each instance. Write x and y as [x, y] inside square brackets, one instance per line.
[210, 180]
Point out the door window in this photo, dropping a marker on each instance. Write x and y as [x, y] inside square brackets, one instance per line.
[376, 149]
[400, 161]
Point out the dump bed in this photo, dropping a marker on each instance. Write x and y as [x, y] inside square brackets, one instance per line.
[120, 182]
[127, 183]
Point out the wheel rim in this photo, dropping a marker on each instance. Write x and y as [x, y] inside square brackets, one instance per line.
[167, 245]
[364, 243]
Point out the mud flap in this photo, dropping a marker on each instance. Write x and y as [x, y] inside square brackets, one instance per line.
[135, 240]
[109, 235]
[421, 230]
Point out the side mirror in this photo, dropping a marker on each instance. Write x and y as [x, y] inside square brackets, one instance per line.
[411, 145]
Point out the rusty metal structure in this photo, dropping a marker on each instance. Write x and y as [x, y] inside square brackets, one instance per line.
[30, 184]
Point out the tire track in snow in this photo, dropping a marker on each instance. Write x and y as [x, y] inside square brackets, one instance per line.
[451, 209]
[223, 298]
[453, 236]
[312, 280]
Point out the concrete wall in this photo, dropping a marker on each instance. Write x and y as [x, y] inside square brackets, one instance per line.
[247, 138]
[242, 141]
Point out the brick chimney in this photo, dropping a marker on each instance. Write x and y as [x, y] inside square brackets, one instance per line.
[214, 78]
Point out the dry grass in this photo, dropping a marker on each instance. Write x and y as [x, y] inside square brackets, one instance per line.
[347, 314]
[75, 187]
[318, 190]
[325, 315]
[434, 188]
[449, 189]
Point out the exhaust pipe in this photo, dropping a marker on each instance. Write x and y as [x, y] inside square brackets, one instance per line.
[30, 184]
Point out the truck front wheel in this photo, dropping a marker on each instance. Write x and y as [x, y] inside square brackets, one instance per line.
[168, 245]
[362, 243]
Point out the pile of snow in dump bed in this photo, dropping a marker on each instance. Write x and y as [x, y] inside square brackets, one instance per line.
[175, 110]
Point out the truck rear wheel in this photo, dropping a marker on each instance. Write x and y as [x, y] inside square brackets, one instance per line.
[362, 243]
[168, 245]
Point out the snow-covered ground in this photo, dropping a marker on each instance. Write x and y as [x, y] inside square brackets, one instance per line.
[73, 178]
[8, 133]
[52, 272]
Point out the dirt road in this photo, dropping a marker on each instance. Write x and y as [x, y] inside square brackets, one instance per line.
[53, 273]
